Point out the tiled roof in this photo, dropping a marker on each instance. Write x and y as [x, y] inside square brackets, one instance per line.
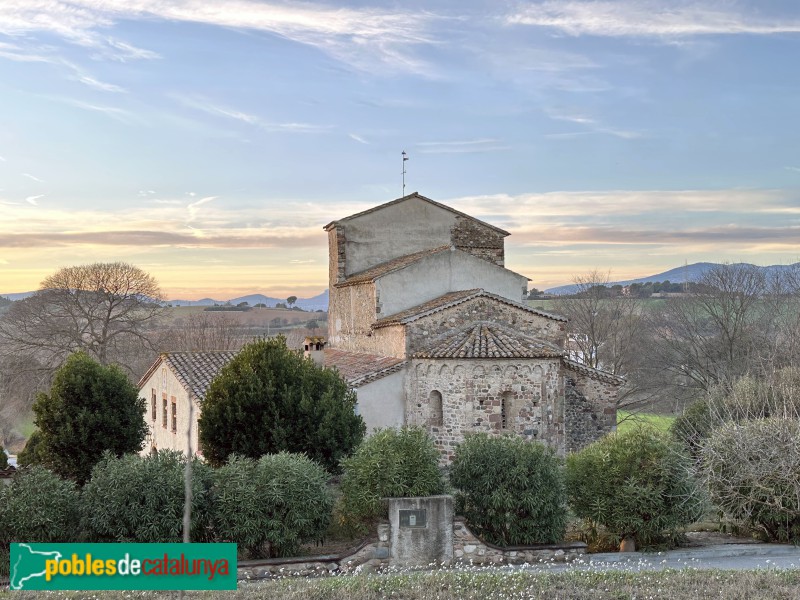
[604, 376]
[453, 299]
[408, 197]
[194, 370]
[358, 369]
[389, 266]
[488, 340]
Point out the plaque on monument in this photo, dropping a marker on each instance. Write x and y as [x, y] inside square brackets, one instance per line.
[412, 518]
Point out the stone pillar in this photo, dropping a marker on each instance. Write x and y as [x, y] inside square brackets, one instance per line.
[422, 530]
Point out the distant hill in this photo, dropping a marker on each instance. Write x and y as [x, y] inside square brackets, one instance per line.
[682, 274]
[318, 302]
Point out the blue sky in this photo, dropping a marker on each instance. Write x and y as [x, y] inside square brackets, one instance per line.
[209, 142]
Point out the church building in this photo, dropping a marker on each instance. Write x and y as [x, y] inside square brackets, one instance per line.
[431, 329]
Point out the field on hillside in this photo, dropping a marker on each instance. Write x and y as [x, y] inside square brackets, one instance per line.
[627, 419]
[492, 584]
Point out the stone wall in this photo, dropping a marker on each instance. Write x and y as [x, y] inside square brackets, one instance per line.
[351, 312]
[591, 409]
[429, 542]
[476, 394]
[468, 548]
[422, 331]
[479, 240]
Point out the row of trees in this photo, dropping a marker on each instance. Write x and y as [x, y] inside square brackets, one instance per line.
[737, 320]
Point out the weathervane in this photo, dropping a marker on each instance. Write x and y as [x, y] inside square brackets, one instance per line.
[405, 158]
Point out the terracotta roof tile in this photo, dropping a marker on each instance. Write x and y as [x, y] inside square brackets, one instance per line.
[488, 340]
[420, 197]
[453, 299]
[357, 368]
[599, 374]
[389, 266]
[194, 370]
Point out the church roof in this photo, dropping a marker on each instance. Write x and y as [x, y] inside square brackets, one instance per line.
[390, 266]
[603, 376]
[453, 299]
[194, 370]
[488, 340]
[358, 368]
[419, 197]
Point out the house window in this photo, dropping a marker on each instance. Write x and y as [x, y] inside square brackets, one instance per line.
[506, 406]
[435, 409]
[164, 411]
[174, 416]
[153, 406]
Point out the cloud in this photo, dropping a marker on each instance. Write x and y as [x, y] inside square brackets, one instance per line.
[649, 18]
[594, 126]
[2, 159]
[462, 146]
[211, 108]
[365, 38]
[118, 114]
[357, 138]
[33, 199]
[795, 169]
[32, 177]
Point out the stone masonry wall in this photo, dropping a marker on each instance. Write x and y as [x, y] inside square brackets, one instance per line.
[473, 393]
[590, 410]
[351, 312]
[422, 331]
[479, 240]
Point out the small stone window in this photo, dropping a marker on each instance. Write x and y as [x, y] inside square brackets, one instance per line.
[174, 416]
[164, 411]
[153, 406]
[435, 408]
[506, 409]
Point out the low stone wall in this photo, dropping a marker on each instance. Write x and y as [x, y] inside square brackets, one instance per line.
[469, 549]
[370, 556]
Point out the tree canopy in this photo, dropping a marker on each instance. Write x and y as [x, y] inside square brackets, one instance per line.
[269, 399]
[91, 408]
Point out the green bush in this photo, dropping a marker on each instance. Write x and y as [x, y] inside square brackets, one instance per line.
[511, 492]
[141, 499]
[33, 453]
[269, 399]
[636, 484]
[38, 506]
[391, 463]
[751, 470]
[3, 458]
[271, 505]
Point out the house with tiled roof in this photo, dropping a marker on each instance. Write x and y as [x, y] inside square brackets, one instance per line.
[173, 388]
[431, 329]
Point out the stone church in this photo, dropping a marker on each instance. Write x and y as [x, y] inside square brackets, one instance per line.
[431, 329]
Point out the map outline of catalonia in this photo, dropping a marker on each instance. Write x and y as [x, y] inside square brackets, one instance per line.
[17, 584]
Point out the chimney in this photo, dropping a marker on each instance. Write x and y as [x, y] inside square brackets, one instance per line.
[314, 348]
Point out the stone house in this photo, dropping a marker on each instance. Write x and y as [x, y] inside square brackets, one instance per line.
[172, 381]
[431, 329]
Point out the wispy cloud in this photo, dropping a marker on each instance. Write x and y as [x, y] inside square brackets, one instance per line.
[211, 108]
[650, 18]
[32, 177]
[357, 138]
[365, 38]
[118, 114]
[462, 146]
[594, 126]
[34, 199]
[795, 169]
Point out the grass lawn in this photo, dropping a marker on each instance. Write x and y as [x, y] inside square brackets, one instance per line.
[493, 584]
[627, 419]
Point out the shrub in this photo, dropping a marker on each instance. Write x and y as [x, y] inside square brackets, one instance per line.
[141, 499]
[91, 408]
[511, 492]
[271, 505]
[38, 506]
[3, 458]
[751, 470]
[391, 463]
[636, 484]
[33, 453]
[269, 399]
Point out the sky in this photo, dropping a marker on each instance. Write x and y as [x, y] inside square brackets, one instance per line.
[209, 142]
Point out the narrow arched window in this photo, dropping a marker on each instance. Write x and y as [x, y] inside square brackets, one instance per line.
[435, 409]
[506, 410]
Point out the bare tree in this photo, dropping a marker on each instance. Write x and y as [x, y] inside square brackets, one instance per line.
[102, 309]
[205, 332]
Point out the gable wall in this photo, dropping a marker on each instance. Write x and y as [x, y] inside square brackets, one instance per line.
[472, 392]
[479, 240]
[591, 409]
[442, 273]
[164, 382]
[423, 330]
